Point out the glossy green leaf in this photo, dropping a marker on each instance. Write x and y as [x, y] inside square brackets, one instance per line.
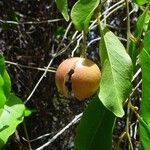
[5, 84]
[11, 116]
[140, 2]
[145, 104]
[95, 128]
[116, 73]
[82, 12]
[62, 5]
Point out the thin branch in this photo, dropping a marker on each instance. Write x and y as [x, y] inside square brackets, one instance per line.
[97, 39]
[74, 121]
[134, 89]
[38, 138]
[77, 45]
[39, 81]
[136, 74]
[64, 37]
[31, 67]
[94, 40]
[30, 22]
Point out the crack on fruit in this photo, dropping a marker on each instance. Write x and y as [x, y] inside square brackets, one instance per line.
[68, 82]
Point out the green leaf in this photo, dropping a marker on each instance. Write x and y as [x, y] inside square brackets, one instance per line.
[116, 73]
[5, 83]
[144, 135]
[11, 116]
[62, 5]
[145, 103]
[142, 22]
[82, 12]
[140, 2]
[147, 42]
[28, 112]
[141, 26]
[2, 98]
[95, 128]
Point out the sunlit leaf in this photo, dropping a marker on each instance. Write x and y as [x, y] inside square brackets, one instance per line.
[5, 84]
[11, 116]
[116, 73]
[82, 12]
[95, 128]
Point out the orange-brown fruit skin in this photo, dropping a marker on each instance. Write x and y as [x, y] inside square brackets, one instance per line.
[85, 79]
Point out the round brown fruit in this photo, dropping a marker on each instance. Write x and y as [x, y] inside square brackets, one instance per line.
[77, 77]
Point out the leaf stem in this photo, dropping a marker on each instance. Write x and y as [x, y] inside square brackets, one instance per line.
[83, 53]
[126, 133]
[128, 25]
[120, 140]
[134, 109]
[97, 15]
[129, 99]
[130, 142]
[26, 134]
[128, 123]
